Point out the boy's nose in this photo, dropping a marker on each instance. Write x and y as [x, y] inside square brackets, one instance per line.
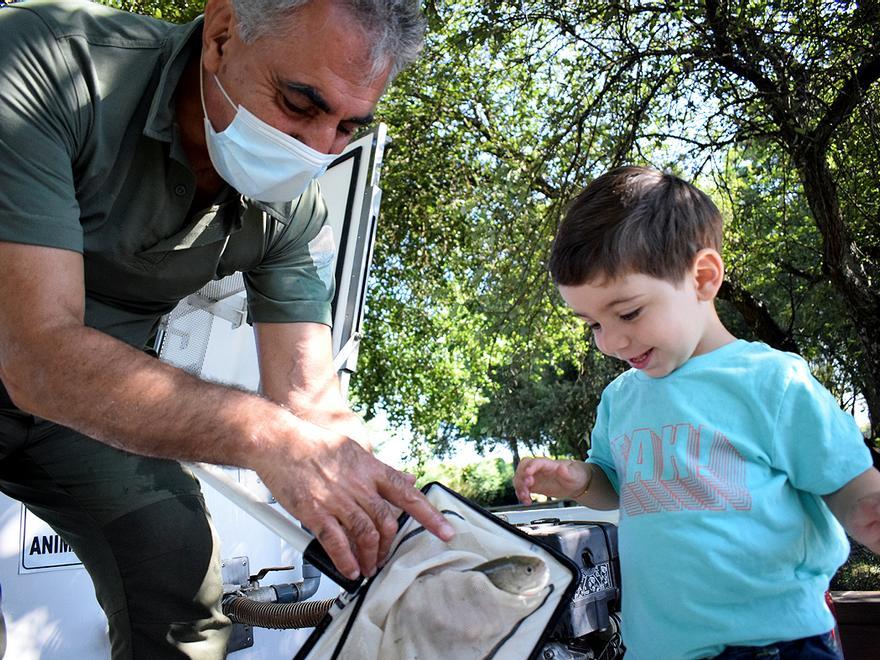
[616, 342]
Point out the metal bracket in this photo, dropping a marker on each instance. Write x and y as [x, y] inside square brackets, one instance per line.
[235, 573]
[348, 350]
[232, 309]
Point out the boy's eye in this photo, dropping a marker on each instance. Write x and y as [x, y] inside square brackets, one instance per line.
[595, 327]
[631, 315]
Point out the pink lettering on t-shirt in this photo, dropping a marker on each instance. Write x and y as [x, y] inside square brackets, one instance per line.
[680, 468]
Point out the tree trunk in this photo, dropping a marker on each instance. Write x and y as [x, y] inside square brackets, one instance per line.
[841, 265]
[514, 449]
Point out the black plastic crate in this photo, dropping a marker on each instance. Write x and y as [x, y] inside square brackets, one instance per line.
[592, 546]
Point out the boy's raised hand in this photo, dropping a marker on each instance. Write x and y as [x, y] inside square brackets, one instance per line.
[560, 479]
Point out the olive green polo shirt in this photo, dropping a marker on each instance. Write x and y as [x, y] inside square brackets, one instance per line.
[91, 161]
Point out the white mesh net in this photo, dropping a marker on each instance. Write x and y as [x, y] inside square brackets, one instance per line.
[188, 328]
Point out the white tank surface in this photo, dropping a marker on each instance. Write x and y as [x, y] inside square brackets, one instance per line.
[527, 515]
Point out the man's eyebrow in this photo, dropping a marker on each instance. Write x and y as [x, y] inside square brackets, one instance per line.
[318, 100]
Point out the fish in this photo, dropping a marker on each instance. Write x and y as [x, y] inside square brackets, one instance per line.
[453, 613]
[521, 575]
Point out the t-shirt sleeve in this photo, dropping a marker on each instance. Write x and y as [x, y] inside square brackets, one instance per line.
[600, 445]
[818, 445]
[295, 281]
[43, 120]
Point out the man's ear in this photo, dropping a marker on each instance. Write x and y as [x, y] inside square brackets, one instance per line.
[708, 273]
[217, 30]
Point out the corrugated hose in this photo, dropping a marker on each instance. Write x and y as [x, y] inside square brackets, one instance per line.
[280, 616]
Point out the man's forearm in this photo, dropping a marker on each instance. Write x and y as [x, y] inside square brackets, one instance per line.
[296, 370]
[58, 369]
[89, 381]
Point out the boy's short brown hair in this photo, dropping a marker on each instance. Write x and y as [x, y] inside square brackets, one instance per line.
[634, 219]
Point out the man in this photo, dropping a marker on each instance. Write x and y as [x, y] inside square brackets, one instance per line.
[124, 145]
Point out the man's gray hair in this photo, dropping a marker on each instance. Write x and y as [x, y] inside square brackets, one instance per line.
[396, 27]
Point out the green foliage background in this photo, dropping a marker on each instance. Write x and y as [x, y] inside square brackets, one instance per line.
[515, 106]
[488, 483]
[771, 106]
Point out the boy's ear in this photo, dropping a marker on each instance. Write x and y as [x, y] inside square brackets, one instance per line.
[708, 273]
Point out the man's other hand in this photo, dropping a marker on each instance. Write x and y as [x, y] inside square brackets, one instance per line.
[346, 497]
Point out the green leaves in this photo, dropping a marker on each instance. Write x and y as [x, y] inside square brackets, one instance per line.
[514, 107]
[771, 106]
[174, 11]
[488, 482]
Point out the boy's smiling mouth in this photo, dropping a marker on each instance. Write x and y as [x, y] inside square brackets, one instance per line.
[640, 361]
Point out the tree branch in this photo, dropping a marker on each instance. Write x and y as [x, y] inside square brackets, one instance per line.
[758, 318]
[847, 99]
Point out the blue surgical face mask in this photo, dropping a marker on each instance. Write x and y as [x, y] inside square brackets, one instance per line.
[260, 161]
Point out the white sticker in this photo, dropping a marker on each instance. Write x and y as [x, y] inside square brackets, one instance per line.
[42, 549]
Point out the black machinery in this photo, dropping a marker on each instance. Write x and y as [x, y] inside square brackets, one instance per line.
[590, 627]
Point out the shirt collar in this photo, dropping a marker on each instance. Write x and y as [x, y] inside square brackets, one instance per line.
[281, 211]
[180, 44]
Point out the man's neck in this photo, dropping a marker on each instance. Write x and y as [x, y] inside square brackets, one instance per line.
[190, 120]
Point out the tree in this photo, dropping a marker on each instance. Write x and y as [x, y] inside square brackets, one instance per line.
[488, 482]
[771, 106]
[541, 407]
[174, 11]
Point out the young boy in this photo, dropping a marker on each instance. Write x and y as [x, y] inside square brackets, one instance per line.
[727, 458]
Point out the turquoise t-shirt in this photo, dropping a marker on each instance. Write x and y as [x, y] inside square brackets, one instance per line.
[720, 467]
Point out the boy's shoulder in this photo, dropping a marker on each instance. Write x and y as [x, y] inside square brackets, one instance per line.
[621, 381]
[756, 371]
[744, 361]
[768, 361]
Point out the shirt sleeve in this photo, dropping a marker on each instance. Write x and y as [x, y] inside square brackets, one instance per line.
[600, 445]
[295, 281]
[818, 445]
[43, 120]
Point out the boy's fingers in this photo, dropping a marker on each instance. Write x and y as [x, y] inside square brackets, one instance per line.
[531, 464]
[521, 485]
[524, 496]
